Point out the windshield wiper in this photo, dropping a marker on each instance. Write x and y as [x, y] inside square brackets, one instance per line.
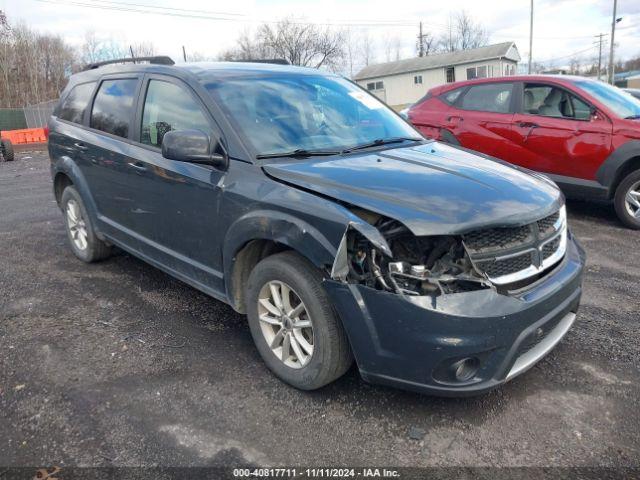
[632, 117]
[299, 153]
[382, 141]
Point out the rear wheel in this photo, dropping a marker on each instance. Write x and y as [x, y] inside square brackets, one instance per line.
[627, 200]
[82, 238]
[7, 150]
[293, 324]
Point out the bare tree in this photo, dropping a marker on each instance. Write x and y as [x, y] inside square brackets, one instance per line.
[143, 49]
[429, 43]
[470, 34]
[392, 48]
[95, 49]
[33, 67]
[300, 43]
[367, 48]
[463, 33]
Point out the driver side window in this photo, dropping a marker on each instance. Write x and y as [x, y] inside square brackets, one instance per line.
[169, 107]
[550, 101]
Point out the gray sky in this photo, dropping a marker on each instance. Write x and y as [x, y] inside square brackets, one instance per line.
[562, 27]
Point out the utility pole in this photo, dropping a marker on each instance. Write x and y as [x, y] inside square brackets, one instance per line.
[600, 42]
[420, 42]
[184, 54]
[614, 20]
[530, 38]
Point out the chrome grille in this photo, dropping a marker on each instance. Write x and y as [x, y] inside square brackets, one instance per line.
[549, 248]
[498, 268]
[546, 225]
[512, 254]
[496, 238]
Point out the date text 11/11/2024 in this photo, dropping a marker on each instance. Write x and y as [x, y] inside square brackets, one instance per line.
[315, 473]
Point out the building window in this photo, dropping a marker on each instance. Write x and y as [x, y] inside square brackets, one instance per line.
[371, 86]
[379, 85]
[477, 72]
[417, 80]
[451, 75]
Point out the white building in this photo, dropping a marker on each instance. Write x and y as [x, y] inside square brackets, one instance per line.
[403, 82]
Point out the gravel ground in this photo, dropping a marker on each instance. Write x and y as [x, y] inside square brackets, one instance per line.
[119, 364]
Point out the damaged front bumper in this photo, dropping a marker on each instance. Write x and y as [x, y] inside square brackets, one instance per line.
[460, 343]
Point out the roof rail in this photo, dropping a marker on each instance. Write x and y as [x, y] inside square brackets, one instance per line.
[158, 60]
[275, 61]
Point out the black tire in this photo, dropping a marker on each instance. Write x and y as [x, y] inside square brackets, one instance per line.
[331, 356]
[630, 182]
[7, 151]
[95, 249]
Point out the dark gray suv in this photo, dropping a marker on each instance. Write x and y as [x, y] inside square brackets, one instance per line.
[306, 203]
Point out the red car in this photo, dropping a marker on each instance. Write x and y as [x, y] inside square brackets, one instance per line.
[584, 134]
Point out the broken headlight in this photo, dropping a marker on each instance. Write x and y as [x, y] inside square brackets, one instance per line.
[431, 265]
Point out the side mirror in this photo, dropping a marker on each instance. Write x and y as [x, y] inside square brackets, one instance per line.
[193, 146]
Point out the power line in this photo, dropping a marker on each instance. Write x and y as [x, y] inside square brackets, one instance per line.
[207, 15]
[192, 10]
[569, 55]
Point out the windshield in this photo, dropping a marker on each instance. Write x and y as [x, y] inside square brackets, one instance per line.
[618, 101]
[289, 112]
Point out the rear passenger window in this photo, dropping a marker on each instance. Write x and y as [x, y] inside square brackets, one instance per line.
[490, 97]
[452, 96]
[169, 107]
[113, 106]
[74, 106]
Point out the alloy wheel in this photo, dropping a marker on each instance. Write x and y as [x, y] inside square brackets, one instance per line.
[285, 324]
[76, 224]
[632, 200]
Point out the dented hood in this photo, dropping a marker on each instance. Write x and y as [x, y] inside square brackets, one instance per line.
[431, 188]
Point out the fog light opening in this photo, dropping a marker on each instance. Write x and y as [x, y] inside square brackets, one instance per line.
[465, 369]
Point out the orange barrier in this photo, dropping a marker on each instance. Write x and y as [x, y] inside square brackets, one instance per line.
[27, 135]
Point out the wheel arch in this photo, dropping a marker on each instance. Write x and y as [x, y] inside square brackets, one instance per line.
[260, 234]
[60, 182]
[624, 160]
[66, 172]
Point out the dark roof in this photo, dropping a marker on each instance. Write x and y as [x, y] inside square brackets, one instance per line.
[417, 64]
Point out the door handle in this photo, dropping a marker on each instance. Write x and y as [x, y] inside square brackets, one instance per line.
[81, 146]
[138, 167]
[531, 126]
[454, 117]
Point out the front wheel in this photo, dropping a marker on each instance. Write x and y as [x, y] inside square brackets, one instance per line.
[627, 200]
[293, 324]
